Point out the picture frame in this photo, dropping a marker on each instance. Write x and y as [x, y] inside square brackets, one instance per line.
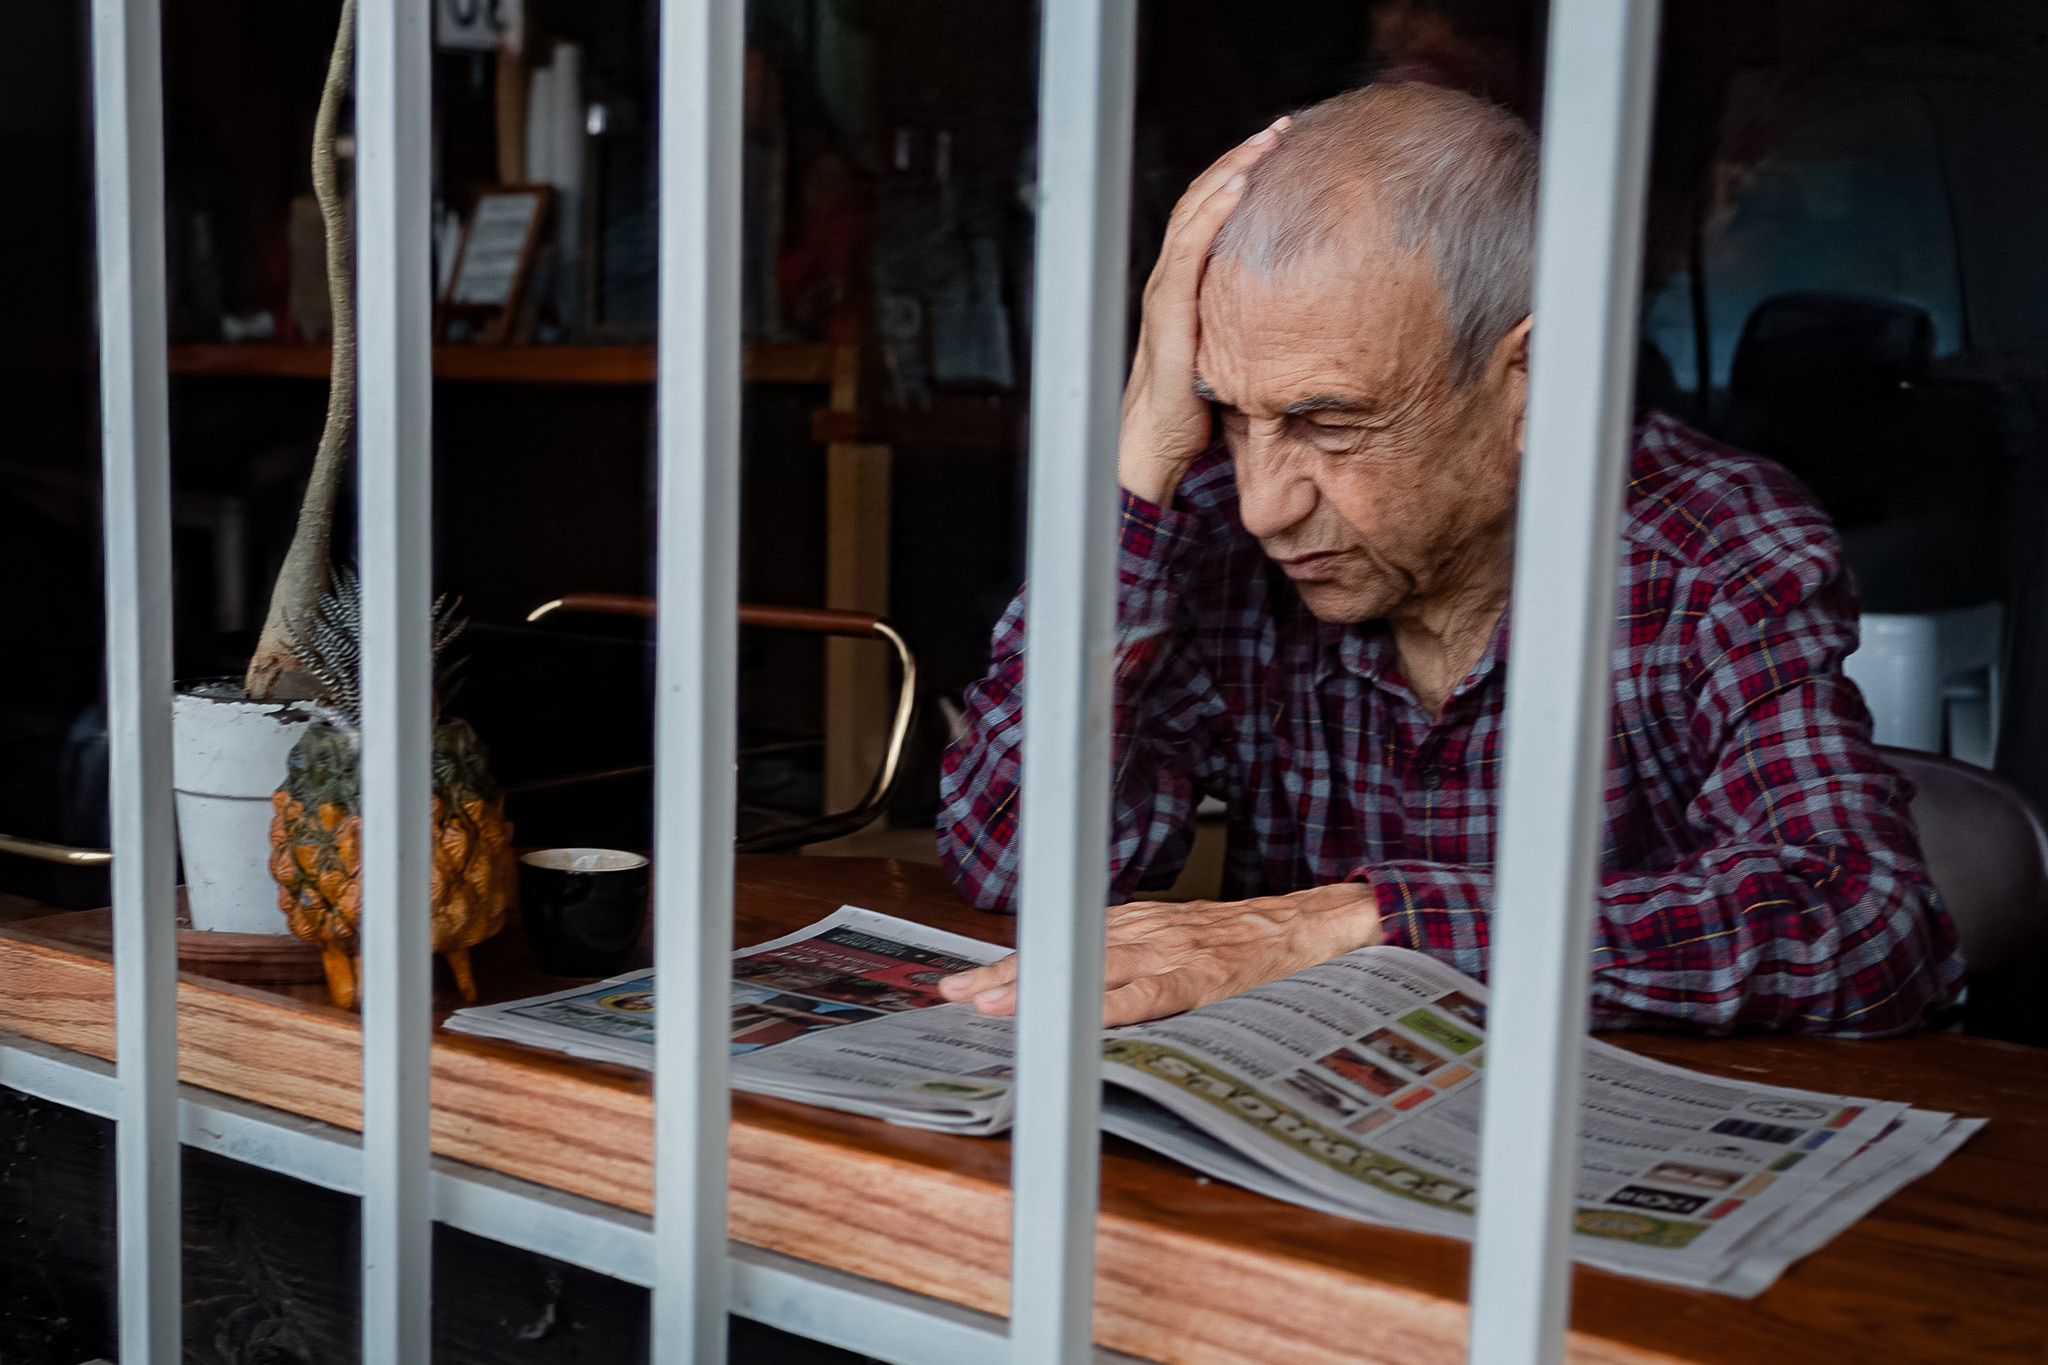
[494, 266]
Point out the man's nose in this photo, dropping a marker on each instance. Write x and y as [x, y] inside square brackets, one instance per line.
[1273, 492]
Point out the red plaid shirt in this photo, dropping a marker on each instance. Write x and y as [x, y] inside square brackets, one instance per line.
[1759, 868]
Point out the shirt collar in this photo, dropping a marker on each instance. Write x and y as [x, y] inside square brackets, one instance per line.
[1366, 651]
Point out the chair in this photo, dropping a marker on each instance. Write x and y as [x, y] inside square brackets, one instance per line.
[1843, 390]
[814, 620]
[1987, 852]
[1910, 460]
[1830, 386]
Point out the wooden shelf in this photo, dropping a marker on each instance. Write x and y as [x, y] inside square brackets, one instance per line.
[975, 424]
[597, 365]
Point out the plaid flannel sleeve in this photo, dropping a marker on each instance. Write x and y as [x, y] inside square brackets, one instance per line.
[1162, 753]
[1806, 906]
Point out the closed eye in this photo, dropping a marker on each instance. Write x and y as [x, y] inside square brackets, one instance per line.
[1329, 427]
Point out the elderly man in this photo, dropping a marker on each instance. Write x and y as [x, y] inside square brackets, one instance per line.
[1313, 623]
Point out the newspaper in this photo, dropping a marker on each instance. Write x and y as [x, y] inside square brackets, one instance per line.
[1352, 1087]
[845, 1012]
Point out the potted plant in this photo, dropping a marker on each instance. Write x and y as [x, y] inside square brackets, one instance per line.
[266, 768]
[230, 742]
[315, 843]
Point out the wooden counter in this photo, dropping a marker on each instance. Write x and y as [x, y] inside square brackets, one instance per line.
[1953, 1268]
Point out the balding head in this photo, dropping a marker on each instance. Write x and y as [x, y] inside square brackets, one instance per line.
[1362, 339]
[1442, 172]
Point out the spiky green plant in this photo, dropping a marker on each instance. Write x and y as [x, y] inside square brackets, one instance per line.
[327, 641]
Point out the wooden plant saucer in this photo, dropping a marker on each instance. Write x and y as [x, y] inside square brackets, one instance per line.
[271, 959]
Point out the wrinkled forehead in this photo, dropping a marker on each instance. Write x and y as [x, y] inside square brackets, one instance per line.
[1366, 323]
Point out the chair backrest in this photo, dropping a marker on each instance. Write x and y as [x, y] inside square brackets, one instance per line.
[1810, 347]
[1987, 850]
[1829, 385]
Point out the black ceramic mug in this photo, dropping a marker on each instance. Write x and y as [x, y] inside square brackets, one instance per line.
[583, 908]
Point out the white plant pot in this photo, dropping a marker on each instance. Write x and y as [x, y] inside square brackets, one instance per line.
[228, 757]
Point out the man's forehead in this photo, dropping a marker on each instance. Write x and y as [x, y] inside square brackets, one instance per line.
[1321, 332]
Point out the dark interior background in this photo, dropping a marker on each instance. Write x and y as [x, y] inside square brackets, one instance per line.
[1881, 159]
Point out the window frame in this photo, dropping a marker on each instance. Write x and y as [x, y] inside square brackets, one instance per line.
[1595, 145]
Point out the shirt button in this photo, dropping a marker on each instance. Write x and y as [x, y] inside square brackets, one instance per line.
[1432, 777]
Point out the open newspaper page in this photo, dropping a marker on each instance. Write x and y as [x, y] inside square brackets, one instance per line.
[1357, 1084]
[1916, 1143]
[1353, 1087]
[894, 1049]
[844, 1012]
[611, 1021]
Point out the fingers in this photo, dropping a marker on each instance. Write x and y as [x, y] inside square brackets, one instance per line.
[1186, 248]
[1148, 997]
[1165, 425]
[991, 989]
[1230, 165]
[1202, 211]
[1000, 1002]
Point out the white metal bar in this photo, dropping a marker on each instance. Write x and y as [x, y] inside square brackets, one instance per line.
[1588, 264]
[305, 1149]
[394, 293]
[59, 1075]
[857, 1314]
[697, 398]
[1084, 169]
[135, 452]
[867, 1316]
[846, 1310]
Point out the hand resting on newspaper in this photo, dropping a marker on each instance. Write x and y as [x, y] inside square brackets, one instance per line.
[1164, 957]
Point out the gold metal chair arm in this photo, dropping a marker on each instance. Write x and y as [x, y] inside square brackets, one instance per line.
[45, 852]
[816, 620]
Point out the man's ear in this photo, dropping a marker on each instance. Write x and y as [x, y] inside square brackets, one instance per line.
[1511, 363]
[1516, 345]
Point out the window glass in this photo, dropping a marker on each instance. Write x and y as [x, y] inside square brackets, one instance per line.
[1853, 200]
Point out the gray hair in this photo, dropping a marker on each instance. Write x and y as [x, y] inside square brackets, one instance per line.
[1451, 174]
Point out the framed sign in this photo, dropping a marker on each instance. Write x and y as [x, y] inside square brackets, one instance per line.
[476, 25]
[493, 268]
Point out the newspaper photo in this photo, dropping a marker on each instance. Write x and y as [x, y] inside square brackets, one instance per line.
[913, 1059]
[1353, 1087]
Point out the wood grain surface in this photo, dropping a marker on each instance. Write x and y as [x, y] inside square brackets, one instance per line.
[1952, 1268]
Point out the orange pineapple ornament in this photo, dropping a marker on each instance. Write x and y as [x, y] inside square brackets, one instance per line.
[316, 824]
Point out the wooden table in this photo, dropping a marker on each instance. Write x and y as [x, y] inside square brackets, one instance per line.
[1954, 1268]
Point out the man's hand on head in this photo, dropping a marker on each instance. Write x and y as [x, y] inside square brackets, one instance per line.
[1164, 957]
[1165, 425]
